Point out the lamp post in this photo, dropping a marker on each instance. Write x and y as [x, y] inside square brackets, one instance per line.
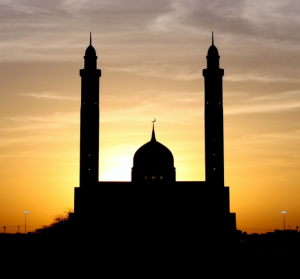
[283, 212]
[26, 212]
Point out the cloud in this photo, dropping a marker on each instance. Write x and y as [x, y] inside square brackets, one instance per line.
[165, 106]
[269, 138]
[243, 103]
[58, 29]
[53, 121]
[161, 70]
[31, 140]
[260, 78]
[48, 95]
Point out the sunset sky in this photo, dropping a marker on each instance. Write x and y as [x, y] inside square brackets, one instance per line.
[151, 53]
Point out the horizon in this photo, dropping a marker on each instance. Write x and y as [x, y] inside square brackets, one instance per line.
[151, 56]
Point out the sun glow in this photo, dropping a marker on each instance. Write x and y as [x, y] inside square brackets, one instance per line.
[116, 170]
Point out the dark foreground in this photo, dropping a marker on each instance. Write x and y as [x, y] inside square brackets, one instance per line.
[143, 255]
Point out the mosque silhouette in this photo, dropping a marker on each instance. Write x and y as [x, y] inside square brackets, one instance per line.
[153, 202]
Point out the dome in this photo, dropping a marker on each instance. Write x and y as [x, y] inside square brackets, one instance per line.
[153, 155]
[153, 163]
[90, 51]
[213, 51]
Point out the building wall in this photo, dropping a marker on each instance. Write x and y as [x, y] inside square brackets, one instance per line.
[186, 206]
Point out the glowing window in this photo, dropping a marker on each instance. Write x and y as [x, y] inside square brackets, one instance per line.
[145, 177]
[153, 177]
[161, 177]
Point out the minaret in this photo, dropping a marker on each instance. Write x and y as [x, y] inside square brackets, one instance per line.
[214, 139]
[89, 119]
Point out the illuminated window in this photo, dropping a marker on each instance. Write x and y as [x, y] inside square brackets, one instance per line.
[214, 168]
[153, 177]
[89, 169]
[214, 154]
[145, 177]
[161, 177]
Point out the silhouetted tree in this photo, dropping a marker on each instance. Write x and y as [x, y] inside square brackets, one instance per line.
[60, 224]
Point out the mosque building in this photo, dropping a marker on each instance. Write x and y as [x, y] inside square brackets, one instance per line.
[153, 200]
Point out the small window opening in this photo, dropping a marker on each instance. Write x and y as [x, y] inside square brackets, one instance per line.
[89, 169]
[161, 177]
[207, 102]
[214, 154]
[153, 177]
[214, 168]
[145, 177]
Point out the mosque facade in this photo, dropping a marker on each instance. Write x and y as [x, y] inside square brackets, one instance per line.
[153, 200]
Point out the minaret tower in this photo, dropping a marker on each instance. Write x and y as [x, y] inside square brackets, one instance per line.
[214, 139]
[89, 119]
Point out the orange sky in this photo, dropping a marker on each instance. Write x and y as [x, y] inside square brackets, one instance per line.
[151, 54]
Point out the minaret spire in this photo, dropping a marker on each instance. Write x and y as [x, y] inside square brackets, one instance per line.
[153, 132]
[89, 119]
[214, 136]
[212, 37]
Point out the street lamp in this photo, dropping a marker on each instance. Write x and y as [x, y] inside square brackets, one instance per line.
[26, 212]
[283, 212]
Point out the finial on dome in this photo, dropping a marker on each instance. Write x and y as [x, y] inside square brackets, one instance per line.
[90, 38]
[212, 37]
[153, 132]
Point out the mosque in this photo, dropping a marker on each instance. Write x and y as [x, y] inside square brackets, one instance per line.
[153, 200]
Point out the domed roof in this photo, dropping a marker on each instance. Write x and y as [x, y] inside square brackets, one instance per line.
[153, 154]
[90, 51]
[212, 51]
